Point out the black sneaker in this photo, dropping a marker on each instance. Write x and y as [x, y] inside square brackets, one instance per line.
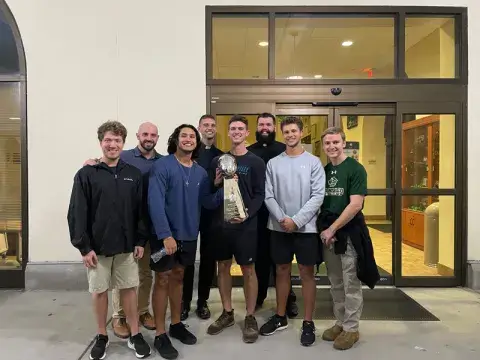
[308, 333]
[138, 344]
[180, 332]
[274, 324]
[164, 347]
[99, 350]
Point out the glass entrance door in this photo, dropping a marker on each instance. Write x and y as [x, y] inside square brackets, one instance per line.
[369, 130]
[429, 154]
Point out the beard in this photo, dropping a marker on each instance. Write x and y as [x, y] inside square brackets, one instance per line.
[147, 146]
[265, 139]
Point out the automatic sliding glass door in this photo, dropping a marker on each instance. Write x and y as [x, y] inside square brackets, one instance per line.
[369, 131]
[370, 134]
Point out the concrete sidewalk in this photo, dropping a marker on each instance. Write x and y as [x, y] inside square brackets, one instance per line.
[60, 325]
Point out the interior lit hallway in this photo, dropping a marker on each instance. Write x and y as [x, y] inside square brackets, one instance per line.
[381, 235]
[53, 324]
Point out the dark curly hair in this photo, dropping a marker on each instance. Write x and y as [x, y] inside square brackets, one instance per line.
[173, 140]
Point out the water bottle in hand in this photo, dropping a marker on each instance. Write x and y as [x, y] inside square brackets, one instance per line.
[157, 256]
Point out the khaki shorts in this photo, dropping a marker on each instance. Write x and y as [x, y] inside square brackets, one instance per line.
[113, 272]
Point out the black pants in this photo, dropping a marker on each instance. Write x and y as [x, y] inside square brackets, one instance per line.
[205, 273]
[264, 266]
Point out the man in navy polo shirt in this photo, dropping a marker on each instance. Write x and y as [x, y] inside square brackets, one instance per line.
[142, 157]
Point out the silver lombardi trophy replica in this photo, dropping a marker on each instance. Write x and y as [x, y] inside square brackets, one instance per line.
[233, 206]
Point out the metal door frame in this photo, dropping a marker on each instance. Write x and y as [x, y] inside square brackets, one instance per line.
[458, 192]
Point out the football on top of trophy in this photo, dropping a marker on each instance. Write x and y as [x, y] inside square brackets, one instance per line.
[227, 165]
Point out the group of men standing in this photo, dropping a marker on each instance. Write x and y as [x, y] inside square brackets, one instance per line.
[130, 204]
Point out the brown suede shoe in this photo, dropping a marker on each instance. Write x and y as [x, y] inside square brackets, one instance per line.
[147, 321]
[225, 320]
[121, 328]
[332, 333]
[250, 330]
[346, 340]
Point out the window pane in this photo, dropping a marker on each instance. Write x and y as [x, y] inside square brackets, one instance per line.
[331, 47]
[10, 177]
[428, 234]
[369, 141]
[430, 47]
[428, 154]
[8, 50]
[240, 47]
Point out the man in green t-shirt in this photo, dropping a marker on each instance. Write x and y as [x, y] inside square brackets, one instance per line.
[345, 190]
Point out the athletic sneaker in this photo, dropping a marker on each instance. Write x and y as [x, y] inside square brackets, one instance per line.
[164, 347]
[99, 350]
[274, 324]
[308, 333]
[138, 344]
[180, 332]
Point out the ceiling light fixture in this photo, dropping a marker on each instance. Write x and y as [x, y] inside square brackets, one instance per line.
[263, 43]
[295, 77]
[347, 43]
[318, 76]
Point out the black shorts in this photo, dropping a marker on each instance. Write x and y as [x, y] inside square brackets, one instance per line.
[184, 256]
[238, 243]
[305, 246]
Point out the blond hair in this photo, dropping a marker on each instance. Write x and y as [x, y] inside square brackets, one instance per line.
[333, 131]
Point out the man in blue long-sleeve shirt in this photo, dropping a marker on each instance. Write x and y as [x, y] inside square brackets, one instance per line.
[178, 188]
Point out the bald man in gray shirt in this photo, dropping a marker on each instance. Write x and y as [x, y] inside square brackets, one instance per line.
[294, 192]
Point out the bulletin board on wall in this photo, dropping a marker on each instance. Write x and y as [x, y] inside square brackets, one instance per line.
[352, 149]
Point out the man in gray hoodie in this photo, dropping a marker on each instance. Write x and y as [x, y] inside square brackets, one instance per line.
[294, 192]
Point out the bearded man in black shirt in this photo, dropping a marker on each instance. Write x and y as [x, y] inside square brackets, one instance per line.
[267, 148]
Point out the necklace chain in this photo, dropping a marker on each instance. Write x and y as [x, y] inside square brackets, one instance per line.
[187, 179]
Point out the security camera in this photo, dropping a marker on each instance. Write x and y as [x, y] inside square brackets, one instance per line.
[336, 91]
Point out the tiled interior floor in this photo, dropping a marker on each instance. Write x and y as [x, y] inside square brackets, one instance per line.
[412, 258]
[9, 262]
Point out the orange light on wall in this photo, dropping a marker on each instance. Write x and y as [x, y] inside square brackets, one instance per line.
[369, 71]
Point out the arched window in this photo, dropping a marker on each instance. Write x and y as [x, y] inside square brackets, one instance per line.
[13, 167]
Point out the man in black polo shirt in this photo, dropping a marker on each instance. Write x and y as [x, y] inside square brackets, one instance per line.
[207, 126]
[267, 148]
[142, 157]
